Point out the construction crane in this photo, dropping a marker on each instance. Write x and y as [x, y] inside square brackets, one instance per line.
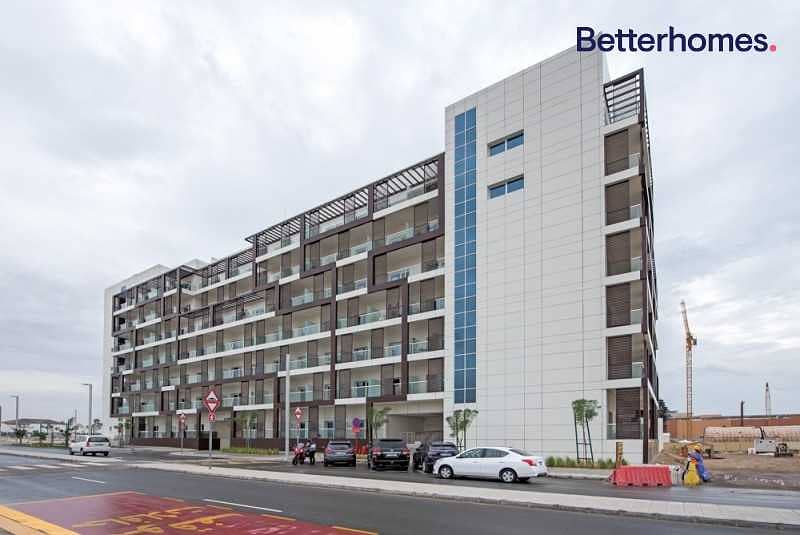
[691, 341]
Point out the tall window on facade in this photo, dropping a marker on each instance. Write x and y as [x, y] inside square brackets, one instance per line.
[465, 193]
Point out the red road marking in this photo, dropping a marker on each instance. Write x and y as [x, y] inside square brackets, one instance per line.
[129, 513]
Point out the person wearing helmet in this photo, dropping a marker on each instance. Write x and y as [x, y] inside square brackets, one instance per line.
[697, 455]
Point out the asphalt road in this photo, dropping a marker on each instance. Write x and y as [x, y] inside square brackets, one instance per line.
[710, 493]
[365, 511]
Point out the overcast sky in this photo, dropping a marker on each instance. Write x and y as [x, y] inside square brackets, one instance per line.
[143, 133]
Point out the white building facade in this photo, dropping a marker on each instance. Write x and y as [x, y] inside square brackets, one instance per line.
[512, 274]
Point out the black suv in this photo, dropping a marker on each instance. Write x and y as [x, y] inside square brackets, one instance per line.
[388, 453]
[427, 454]
[339, 452]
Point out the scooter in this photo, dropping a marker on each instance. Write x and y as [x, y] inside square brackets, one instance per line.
[299, 455]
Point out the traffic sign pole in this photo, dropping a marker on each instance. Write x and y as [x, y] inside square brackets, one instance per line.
[211, 401]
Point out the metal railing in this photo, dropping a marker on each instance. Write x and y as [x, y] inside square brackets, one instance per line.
[427, 305]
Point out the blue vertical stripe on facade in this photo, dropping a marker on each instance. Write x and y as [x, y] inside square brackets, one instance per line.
[464, 257]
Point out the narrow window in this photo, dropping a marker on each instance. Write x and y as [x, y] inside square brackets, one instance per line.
[497, 148]
[515, 141]
[514, 185]
[497, 191]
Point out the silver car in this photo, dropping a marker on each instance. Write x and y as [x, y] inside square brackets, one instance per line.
[94, 444]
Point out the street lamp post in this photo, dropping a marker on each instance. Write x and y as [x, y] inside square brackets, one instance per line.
[286, 406]
[16, 415]
[91, 426]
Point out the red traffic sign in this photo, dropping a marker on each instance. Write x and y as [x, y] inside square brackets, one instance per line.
[357, 425]
[212, 416]
[211, 401]
[298, 413]
[182, 418]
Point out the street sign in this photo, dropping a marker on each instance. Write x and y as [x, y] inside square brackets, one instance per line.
[298, 414]
[211, 401]
[357, 425]
[212, 416]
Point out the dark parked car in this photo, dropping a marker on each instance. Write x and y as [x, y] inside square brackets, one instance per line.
[339, 452]
[388, 453]
[427, 454]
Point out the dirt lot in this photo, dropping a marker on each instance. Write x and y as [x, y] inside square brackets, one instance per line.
[747, 470]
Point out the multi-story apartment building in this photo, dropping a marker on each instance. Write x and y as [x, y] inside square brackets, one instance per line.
[512, 274]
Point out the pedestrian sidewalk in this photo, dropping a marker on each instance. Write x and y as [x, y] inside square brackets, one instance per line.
[683, 511]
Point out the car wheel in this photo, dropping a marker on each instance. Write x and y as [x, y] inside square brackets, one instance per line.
[83, 452]
[445, 472]
[353, 464]
[428, 469]
[507, 475]
[71, 452]
[105, 454]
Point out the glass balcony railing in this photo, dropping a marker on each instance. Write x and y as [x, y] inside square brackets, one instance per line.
[245, 268]
[289, 271]
[369, 391]
[135, 387]
[433, 383]
[147, 363]
[147, 407]
[621, 164]
[637, 368]
[194, 379]
[232, 373]
[231, 401]
[298, 396]
[231, 345]
[426, 306]
[122, 347]
[428, 344]
[405, 194]
[123, 410]
[352, 286]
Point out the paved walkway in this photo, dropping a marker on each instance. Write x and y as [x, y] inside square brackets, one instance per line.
[694, 512]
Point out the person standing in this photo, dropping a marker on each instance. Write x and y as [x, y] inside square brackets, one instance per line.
[312, 452]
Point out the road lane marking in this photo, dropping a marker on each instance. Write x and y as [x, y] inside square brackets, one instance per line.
[71, 465]
[89, 480]
[44, 465]
[244, 505]
[33, 522]
[68, 498]
[286, 518]
[354, 530]
[21, 468]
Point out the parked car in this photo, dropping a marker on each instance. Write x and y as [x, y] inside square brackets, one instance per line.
[388, 453]
[339, 452]
[86, 444]
[427, 454]
[507, 464]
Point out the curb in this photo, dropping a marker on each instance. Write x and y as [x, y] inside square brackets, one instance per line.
[58, 457]
[497, 501]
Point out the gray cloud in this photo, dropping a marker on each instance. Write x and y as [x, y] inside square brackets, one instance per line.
[154, 133]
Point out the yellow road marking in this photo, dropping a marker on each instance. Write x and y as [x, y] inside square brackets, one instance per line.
[353, 530]
[32, 522]
[78, 497]
[287, 518]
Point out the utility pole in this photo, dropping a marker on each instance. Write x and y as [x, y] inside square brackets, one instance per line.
[767, 401]
[91, 423]
[287, 403]
[16, 418]
[741, 413]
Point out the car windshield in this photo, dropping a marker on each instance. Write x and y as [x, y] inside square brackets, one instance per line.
[390, 442]
[443, 445]
[521, 452]
[98, 439]
[339, 445]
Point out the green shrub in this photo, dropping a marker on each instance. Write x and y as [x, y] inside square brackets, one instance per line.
[550, 461]
[569, 462]
[624, 462]
[558, 462]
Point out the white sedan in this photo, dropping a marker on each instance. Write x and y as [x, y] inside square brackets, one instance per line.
[507, 464]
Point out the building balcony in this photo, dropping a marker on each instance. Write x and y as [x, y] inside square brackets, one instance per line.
[299, 396]
[407, 233]
[621, 164]
[232, 401]
[325, 226]
[232, 373]
[194, 378]
[304, 361]
[124, 409]
[404, 195]
[428, 344]
[368, 317]
[351, 286]
[135, 387]
[424, 385]
[428, 305]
